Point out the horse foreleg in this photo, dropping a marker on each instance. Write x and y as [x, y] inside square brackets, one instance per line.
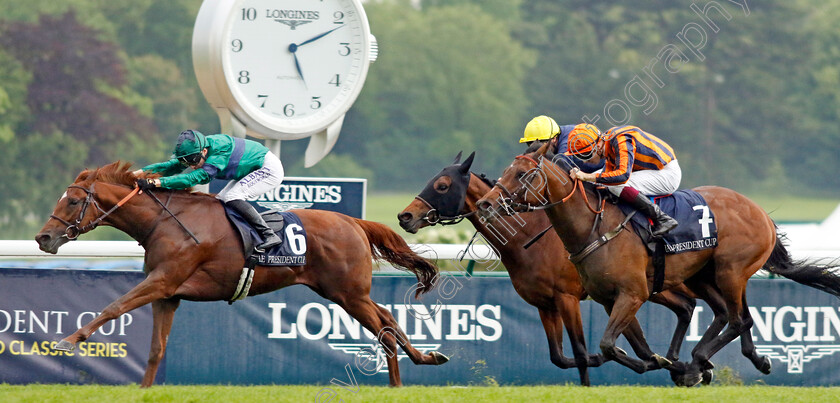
[148, 290]
[163, 311]
[552, 324]
[622, 314]
[636, 337]
[682, 306]
[569, 309]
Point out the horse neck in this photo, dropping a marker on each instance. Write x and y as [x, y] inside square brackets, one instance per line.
[572, 218]
[511, 244]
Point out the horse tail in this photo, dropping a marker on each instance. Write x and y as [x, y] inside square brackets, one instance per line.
[821, 277]
[388, 245]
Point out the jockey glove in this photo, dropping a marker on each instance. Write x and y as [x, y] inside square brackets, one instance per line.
[145, 184]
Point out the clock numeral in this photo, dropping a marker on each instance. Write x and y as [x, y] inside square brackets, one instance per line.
[244, 77]
[237, 45]
[316, 103]
[344, 49]
[336, 81]
[289, 110]
[249, 14]
[264, 98]
[338, 17]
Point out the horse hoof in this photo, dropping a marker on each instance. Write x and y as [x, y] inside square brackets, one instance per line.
[65, 345]
[765, 366]
[708, 375]
[690, 380]
[439, 358]
[662, 361]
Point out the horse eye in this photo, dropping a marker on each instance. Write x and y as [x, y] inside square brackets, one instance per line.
[74, 202]
[520, 174]
[442, 187]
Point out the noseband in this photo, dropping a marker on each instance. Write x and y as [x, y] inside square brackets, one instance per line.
[433, 217]
[73, 230]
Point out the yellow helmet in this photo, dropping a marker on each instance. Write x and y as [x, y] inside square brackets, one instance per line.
[540, 128]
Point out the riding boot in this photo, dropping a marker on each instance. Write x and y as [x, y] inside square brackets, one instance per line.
[662, 223]
[250, 214]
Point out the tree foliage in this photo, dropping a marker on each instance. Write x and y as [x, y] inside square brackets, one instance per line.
[72, 71]
[750, 99]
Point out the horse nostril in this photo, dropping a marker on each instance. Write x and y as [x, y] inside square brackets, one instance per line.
[42, 238]
[405, 216]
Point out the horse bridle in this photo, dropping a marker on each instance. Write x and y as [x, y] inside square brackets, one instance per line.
[433, 218]
[510, 204]
[579, 256]
[73, 230]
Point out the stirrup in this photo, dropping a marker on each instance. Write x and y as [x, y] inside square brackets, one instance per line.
[269, 243]
[664, 228]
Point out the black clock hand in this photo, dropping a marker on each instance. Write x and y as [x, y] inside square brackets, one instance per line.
[319, 36]
[293, 50]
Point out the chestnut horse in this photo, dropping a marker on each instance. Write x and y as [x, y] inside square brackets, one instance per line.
[543, 276]
[619, 274]
[339, 255]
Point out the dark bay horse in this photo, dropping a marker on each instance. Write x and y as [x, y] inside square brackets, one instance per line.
[619, 274]
[542, 275]
[340, 251]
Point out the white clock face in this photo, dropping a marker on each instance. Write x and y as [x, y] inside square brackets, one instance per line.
[295, 65]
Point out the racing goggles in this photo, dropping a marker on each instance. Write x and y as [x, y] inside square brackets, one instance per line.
[190, 160]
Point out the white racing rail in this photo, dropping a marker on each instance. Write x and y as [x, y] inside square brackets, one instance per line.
[477, 252]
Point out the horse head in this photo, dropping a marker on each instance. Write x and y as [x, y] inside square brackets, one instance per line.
[532, 179]
[442, 198]
[80, 208]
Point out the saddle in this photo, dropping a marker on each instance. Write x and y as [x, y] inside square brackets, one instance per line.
[292, 252]
[287, 225]
[696, 229]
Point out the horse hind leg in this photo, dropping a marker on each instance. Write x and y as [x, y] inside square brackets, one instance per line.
[761, 363]
[392, 329]
[366, 312]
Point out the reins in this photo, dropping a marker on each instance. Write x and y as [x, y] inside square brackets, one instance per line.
[73, 230]
[579, 256]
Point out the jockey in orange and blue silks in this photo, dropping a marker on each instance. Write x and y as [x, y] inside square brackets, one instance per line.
[638, 164]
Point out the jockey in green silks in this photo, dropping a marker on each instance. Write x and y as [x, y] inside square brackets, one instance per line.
[251, 168]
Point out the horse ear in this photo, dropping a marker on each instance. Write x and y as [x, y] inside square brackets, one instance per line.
[457, 158]
[465, 167]
[542, 150]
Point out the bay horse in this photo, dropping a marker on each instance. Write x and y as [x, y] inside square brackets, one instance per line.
[619, 273]
[339, 255]
[544, 276]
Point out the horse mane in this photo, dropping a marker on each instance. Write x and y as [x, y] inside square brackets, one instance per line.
[485, 179]
[120, 173]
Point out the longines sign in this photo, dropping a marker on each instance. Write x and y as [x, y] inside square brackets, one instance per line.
[293, 336]
[343, 195]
